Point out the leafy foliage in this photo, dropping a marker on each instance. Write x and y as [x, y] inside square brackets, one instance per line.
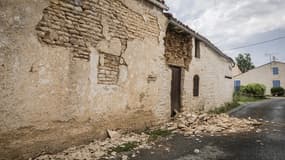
[253, 90]
[244, 62]
[277, 91]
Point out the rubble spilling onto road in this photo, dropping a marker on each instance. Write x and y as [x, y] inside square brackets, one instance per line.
[106, 149]
[188, 124]
[196, 124]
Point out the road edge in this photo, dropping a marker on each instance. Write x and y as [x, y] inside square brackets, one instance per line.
[237, 109]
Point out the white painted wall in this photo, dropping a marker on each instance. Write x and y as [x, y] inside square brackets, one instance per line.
[215, 89]
[264, 75]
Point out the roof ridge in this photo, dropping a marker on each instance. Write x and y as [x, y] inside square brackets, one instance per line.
[159, 3]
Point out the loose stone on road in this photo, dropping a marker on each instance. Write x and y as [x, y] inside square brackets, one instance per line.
[265, 143]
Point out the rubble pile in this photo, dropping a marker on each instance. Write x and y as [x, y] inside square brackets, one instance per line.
[102, 149]
[188, 124]
[196, 124]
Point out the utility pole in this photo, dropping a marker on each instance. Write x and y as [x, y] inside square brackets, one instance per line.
[270, 55]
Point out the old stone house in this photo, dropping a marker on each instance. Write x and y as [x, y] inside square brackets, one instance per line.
[70, 69]
[271, 75]
[207, 75]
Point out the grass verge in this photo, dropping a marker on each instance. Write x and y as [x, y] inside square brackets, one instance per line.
[249, 99]
[155, 134]
[237, 101]
[225, 108]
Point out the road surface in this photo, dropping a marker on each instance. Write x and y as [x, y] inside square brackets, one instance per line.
[269, 144]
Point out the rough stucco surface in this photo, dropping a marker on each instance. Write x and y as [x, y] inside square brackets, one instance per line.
[215, 89]
[264, 75]
[51, 97]
[79, 24]
[71, 69]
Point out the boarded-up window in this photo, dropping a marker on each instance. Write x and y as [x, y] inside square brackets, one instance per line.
[197, 48]
[196, 80]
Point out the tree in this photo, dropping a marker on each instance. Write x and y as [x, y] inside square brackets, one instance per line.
[244, 62]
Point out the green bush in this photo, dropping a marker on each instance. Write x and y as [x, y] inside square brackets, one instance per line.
[277, 91]
[253, 90]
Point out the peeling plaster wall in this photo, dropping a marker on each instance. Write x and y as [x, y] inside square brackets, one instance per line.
[215, 89]
[51, 95]
[77, 26]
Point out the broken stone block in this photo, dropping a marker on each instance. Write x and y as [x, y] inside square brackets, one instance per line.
[113, 134]
[124, 157]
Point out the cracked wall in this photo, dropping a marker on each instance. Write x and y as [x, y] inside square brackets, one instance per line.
[74, 25]
[71, 69]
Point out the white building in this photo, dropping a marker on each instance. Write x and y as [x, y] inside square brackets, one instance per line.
[208, 81]
[270, 74]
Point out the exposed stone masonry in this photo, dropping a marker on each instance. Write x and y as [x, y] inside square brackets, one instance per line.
[78, 24]
[178, 50]
[108, 69]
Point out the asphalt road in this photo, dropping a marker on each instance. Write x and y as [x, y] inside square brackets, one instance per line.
[269, 144]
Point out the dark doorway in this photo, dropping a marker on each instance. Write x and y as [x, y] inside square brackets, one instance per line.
[175, 90]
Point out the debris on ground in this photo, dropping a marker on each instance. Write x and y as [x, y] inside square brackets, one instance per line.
[188, 124]
[197, 124]
[107, 149]
[196, 151]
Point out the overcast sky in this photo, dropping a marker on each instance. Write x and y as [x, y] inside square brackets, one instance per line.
[234, 23]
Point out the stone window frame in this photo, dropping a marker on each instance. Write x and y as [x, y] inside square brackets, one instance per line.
[196, 85]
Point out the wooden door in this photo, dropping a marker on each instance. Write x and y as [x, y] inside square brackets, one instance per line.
[175, 90]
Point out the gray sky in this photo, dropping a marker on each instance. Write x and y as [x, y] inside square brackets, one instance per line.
[234, 23]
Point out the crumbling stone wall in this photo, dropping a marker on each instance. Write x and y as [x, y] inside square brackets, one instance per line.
[178, 48]
[68, 74]
[108, 69]
[79, 24]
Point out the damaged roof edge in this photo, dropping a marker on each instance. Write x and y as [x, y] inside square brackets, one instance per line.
[184, 27]
[160, 4]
